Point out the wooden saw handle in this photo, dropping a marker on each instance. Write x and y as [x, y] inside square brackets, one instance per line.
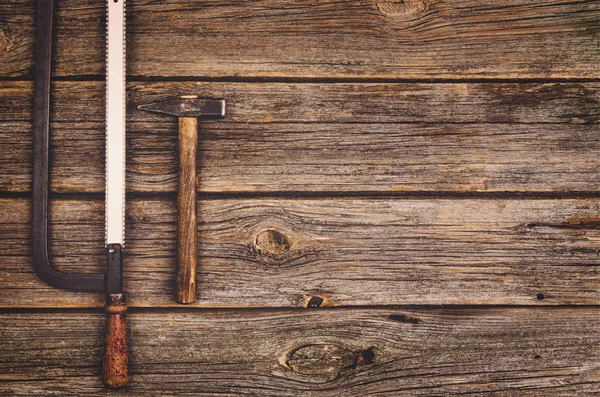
[115, 371]
[187, 229]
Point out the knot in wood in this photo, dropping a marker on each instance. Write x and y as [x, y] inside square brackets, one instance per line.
[271, 242]
[326, 360]
[318, 299]
[6, 40]
[401, 9]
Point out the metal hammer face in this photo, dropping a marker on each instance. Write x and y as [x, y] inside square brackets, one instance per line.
[187, 109]
[188, 106]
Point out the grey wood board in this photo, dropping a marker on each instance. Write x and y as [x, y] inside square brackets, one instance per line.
[280, 137]
[339, 352]
[270, 252]
[412, 39]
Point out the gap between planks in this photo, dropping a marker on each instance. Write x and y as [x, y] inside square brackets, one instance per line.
[307, 80]
[274, 309]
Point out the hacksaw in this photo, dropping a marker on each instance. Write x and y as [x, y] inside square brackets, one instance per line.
[115, 363]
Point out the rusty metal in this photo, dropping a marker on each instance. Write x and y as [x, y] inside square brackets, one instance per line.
[41, 134]
[188, 107]
[115, 361]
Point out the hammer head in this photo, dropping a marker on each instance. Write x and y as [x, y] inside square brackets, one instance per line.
[188, 106]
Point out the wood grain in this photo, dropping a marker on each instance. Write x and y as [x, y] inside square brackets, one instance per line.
[383, 352]
[272, 102]
[410, 39]
[115, 362]
[361, 97]
[187, 219]
[324, 252]
[279, 137]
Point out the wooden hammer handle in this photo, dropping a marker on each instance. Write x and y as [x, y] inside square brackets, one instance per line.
[115, 371]
[187, 229]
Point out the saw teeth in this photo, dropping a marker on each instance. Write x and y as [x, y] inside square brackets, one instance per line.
[124, 109]
[106, 125]
[122, 5]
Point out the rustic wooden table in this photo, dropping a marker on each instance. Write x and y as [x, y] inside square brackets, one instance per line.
[404, 199]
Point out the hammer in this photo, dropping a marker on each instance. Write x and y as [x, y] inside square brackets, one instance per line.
[188, 109]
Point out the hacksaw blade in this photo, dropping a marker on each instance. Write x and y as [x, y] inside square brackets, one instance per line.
[115, 122]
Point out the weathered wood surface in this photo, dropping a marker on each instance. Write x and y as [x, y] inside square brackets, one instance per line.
[320, 38]
[384, 352]
[373, 96]
[283, 252]
[187, 210]
[273, 102]
[334, 138]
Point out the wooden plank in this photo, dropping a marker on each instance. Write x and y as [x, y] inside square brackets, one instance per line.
[337, 137]
[324, 252]
[383, 352]
[320, 38]
[508, 103]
